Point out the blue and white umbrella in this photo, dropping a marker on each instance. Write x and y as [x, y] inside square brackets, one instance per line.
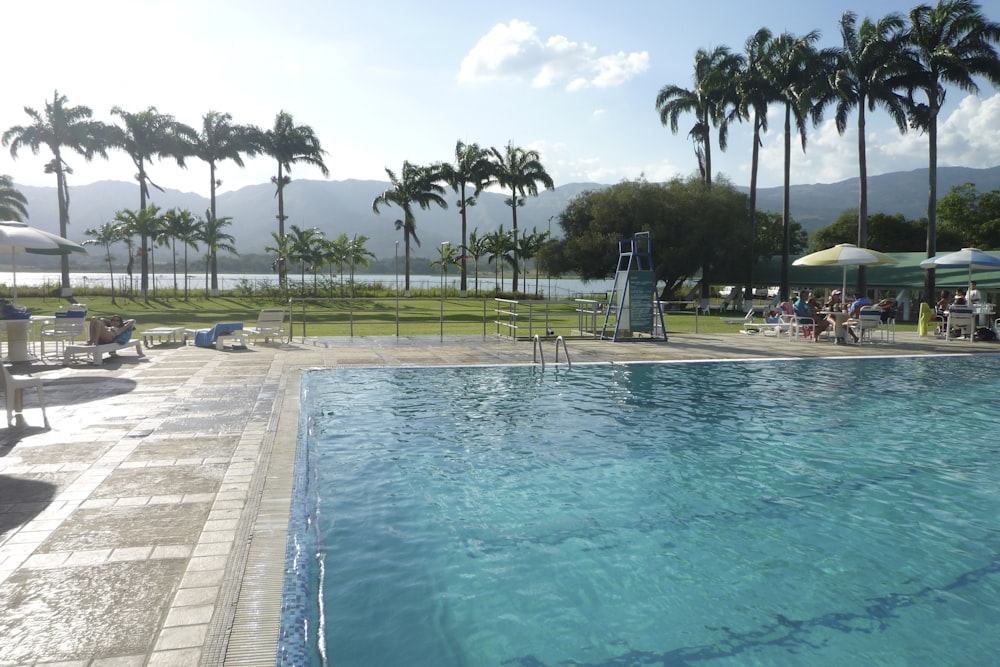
[970, 258]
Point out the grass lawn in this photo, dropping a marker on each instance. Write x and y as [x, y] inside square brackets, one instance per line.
[417, 316]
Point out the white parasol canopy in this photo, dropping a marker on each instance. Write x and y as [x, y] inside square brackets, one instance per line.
[970, 258]
[19, 237]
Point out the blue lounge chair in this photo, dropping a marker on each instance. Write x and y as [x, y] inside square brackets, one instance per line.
[222, 334]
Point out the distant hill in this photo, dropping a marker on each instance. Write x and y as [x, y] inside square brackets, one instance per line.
[338, 207]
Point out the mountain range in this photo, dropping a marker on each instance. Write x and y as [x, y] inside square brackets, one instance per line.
[338, 207]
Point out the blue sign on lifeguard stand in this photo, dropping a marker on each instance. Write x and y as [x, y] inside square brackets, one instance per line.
[634, 310]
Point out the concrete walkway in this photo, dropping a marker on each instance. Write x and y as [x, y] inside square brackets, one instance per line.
[147, 527]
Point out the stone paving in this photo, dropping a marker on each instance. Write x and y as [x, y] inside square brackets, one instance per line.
[147, 526]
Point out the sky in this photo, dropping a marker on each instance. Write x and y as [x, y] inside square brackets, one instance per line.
[394, 80]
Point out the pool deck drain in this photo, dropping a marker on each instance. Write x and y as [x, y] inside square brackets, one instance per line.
[148, 526]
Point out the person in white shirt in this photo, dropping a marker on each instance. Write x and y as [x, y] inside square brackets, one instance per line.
[972, 297]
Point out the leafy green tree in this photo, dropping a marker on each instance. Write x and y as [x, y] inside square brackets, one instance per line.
[754, 93]
[472, 167]
[715, 75]
[799, 72]
[886, 233]
[335, 253]
[693, 229]
[520, 171]
[306, 248]
[972, 216]
[414, 185]
[952, 43]
[106, 235]
[290, 144]
[59, 126]
[216, 240]
[770, 235]
[870, 73]
[13, 204]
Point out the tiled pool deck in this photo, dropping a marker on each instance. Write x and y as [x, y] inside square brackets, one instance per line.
[147, 526]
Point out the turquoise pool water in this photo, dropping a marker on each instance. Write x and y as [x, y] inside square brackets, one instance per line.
[759, 513]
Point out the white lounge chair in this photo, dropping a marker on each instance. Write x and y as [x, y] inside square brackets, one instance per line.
[270, 325]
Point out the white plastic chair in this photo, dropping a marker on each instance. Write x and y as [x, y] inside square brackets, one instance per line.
[869, 321]
[13, 389]
[962, 319]
[69, 324]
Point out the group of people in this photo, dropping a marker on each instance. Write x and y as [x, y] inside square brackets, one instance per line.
[826, 316]
[961, 298]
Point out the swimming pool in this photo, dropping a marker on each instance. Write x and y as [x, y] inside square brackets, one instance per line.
[775, 513]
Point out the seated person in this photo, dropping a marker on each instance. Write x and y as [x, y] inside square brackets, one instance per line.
[802, 309]
[959, 299]
[834, 303]
[855, 306]
[108, 329]
[941, 310]
[821, 323]
[888, 307]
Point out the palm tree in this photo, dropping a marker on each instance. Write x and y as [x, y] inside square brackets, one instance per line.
[869, 72]
[715, 73]
[146, 136]
[476, 248]
[304, 247]
[754, 93]
[289, 144]
[181, 225]
[59, 126]
[13, 204]
[472, 166]
[215, 238]
[529, 245]
[500, 246]
[335, 252]
[106, 235]
[357, 255]
[145, 223]
[447, 256]
[415, 185]
[952, 43]
[799, 73]
[519, 170]
[221, 140]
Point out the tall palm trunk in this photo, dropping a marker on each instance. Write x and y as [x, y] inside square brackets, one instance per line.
[930, 279]
[754, 164]
[513, 280]
[862, 195]
[63, 196]
[215, 264]
[786, 237]
[463, 287]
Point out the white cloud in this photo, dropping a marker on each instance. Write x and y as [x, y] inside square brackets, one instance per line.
[514, 51]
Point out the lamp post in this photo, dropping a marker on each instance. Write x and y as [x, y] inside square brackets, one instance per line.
[444, 245]
[395, 268]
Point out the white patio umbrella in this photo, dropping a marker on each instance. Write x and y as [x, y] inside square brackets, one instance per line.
[971, 258]
[18, 237]
[845, 255]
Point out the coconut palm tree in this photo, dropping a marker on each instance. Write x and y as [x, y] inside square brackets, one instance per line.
[870, 73]
[219, 140]
[500, 248]
[715, 74]
[216, 240]
[13, 204]
[146, 223]
[951, 43]
[472, 167]
[181, 225]
[290, 144]
[520, 171]
[59, 126]
[754, 93]
[357, 255]
[799, 73]
[529, 245]
[476, 248]
[146, 136]
[305, 247]
[106, 235]
[414, 185]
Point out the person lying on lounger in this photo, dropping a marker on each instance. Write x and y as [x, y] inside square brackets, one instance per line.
[108, 329]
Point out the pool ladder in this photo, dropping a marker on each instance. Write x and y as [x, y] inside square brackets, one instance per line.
[537, 355]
